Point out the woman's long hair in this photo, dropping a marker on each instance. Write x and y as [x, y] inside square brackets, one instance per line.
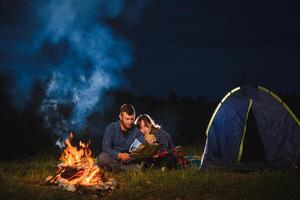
[148, 121]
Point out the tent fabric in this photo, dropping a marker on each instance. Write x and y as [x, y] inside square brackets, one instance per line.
[225, 132]
[278, 130]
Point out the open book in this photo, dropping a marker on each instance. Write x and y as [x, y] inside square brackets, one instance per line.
[139, 150]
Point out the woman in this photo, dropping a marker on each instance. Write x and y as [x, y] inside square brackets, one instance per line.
[154, 134]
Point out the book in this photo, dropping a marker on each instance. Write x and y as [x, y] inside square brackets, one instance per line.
[136, 143]
[140, 150]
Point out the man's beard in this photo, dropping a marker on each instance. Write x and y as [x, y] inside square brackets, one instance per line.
[125, 126]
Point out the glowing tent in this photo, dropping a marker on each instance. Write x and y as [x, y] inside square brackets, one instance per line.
[252, 128]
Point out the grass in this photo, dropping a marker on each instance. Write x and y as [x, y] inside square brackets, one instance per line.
[24, 179]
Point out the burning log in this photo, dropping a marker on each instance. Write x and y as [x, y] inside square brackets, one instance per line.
[78, 170]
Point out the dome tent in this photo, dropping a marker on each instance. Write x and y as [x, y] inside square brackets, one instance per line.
[277, 126]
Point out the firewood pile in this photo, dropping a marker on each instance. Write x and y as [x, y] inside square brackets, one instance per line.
[78, 171]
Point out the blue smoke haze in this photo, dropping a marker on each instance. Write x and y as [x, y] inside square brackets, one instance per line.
[68, 45]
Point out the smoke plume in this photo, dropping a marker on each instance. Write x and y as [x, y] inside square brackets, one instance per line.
[70, 48]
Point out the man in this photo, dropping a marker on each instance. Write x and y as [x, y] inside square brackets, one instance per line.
[117, 138]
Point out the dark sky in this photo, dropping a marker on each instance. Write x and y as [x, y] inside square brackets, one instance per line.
[195, 47]
[205, 48]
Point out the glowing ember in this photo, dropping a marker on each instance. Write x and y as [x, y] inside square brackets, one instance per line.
[79, 170]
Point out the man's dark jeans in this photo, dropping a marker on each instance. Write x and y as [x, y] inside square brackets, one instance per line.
[106, 161]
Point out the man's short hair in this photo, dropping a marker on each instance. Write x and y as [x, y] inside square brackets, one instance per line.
[128, 109]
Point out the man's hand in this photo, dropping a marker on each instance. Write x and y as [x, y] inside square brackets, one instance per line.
[123, 156]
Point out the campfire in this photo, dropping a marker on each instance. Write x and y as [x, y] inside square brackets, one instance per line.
[78, 170]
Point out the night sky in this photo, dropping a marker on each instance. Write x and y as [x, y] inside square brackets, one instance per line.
[192, 47]
[205, 48]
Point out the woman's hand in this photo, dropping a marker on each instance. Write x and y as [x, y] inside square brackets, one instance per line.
[151, 139]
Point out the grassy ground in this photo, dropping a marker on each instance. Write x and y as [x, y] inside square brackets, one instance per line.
[24, 179]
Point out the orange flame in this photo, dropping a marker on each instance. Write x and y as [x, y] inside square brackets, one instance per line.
[84, 171]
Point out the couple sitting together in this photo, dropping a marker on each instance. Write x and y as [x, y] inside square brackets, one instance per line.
[119, 136]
